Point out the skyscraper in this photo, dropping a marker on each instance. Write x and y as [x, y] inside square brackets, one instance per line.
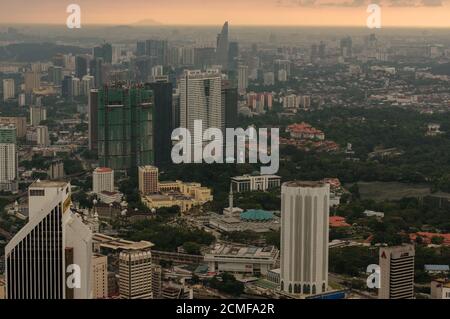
[125, 127]
[93, 120]
[104, 52]
[96, 70]
[43, 255]
[37, 115]
[8, 89]
[32, 81]
[162, 124]
[304, 237]
[222, 47]
[157, 49]
[81, 65]
[230, 104]
[396, 272]
[200, 99]
[242, 78]
[135, 271]
[8, 159]
[233, 55]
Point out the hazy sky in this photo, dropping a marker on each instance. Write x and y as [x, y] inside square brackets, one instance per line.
[434, 13]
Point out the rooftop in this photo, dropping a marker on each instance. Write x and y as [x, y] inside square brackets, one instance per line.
[106, 241]
[44, 184]
[312, 184]
[243, 251]
[257, 214]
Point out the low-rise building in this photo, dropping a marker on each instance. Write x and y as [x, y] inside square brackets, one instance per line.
[255, 182]
[241, 259]
[440, 289]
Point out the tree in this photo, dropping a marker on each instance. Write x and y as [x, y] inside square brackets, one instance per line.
[437, 240]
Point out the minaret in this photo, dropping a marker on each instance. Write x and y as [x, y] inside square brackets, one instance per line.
[230, 198]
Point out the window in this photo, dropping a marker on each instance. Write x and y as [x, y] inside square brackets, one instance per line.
[37, 192]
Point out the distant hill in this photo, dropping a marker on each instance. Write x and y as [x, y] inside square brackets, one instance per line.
[147, 22]
[33, 52]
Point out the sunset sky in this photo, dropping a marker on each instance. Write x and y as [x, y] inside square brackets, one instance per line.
[401, 13]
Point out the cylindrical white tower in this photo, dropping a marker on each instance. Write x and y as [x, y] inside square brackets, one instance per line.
[304, 237]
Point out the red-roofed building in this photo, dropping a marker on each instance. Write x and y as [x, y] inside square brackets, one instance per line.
[338, 221]
[305, 131]
[426, 237]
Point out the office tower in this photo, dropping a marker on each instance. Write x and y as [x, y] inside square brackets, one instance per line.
[304, 237]
[283, 65]
[37, 115]
[8, 159]
[157, 49]
[173, 56]
[102, 180]
[81, 65]
[19, 122]
[99, 277]
[162, 124]
[93, 120]
[56, 170]
[103, 52]
[86, 85]
[233, 55]
[200, 99]
[67, 87]
[242, 78]
[176, 109]
[187, 56]
[157, 273]
[346, 47]
[40, 258]
[141, 67]
[204, 58]
[32, 81]
[396, 272]
[222, 47]
[135, 272]
[148, 179]
[96, 70]
[42, 137]
[8, 89]
[76, 87]
[125, 127]
[55, 75]
[140, 48]
[230, 104]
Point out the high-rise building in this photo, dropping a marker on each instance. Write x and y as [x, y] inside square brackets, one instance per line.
[157, 49]
[157, 274]
[346, 47]
[187, 56]
[233, 55]
[304, 237]
[8, 159]
[222, 47]
[230, 104]
[86, 85]
[148, 179]
[81, 65]
[99, 277]
[102, 180]
[176, 108]
[55, 75]
[8, 89]
[162, 124]
[204, 58]
[93, 120]
[96, 70]
[104, 52]
[42, 137]
[396, 272]
[50, 249]
[140, 48]
[19, 122]
[200, 99]
[242, 78]
[32, 81]
[56, 170]
[125, 127]
[37, 115]
[135, 272]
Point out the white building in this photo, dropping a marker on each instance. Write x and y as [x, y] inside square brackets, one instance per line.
[249, 183]
[304, 237]
[37, 115]
[201, 99]
[51, 246]
[8, 159]
[103, 180]
[241, 259]
[396, 272]
[99, 276]
[8, 89]
[269, 78]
